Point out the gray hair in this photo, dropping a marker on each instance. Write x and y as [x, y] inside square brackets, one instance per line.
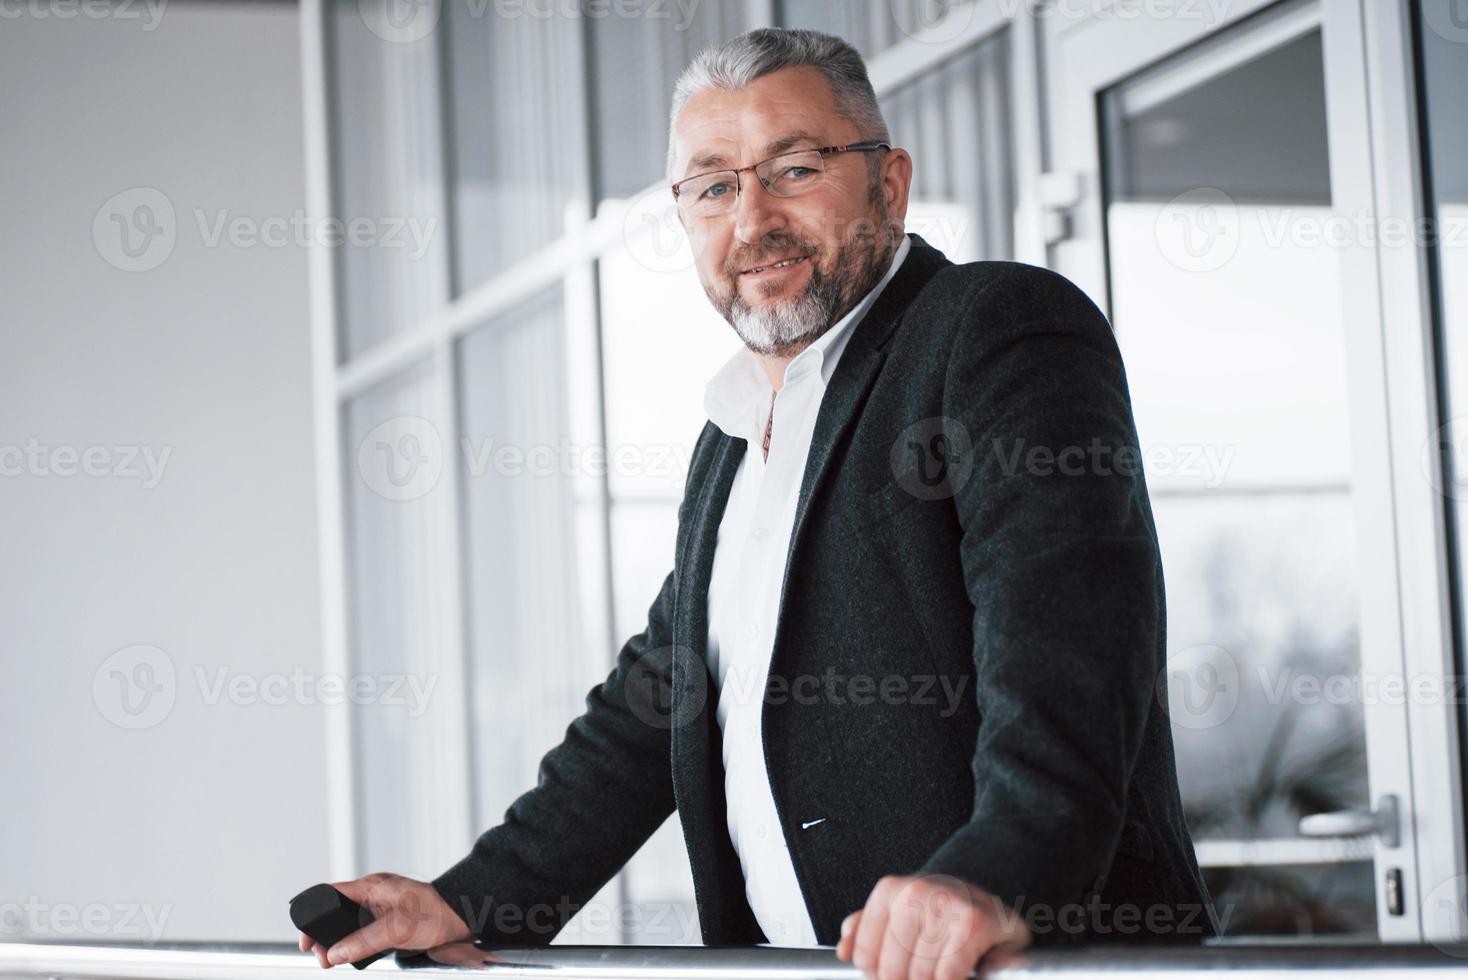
[738, 62]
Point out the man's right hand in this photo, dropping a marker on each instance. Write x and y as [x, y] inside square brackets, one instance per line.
[408, 914]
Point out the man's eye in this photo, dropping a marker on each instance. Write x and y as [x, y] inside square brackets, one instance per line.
[793, 174]
[714, 190]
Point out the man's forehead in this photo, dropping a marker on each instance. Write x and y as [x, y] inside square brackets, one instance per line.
[773, 113]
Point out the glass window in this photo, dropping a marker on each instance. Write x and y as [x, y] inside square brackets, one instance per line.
[533, 653]
[868, 26]
[388, 170]
[529, 664]
[515, 128]
[398, 467]
[635, 61]
[954, 120]
[1443, 56]
[1230, 323]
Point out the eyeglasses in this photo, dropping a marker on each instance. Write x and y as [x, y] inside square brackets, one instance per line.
[787, 175]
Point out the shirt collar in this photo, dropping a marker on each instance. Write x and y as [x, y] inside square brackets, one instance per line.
[738, 396]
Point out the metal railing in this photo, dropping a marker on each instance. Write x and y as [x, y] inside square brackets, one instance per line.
[255, 962]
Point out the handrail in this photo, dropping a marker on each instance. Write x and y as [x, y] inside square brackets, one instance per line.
[1269, 961]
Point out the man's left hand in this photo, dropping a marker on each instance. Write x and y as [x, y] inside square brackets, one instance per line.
[928, 927]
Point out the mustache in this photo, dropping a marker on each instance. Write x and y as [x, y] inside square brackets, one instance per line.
[737, 264]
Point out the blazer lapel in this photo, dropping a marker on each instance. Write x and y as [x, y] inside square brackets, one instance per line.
[697, 746]
[852, 379]
[690, 629]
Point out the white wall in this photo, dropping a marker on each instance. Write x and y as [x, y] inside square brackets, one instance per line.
[213, 815]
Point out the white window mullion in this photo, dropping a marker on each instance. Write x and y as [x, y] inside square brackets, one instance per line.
[330, 521]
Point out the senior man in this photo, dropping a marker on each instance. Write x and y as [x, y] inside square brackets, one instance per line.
[901, 683]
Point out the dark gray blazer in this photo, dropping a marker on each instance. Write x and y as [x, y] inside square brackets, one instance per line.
[966, 666]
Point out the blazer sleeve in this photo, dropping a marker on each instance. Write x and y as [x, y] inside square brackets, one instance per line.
[600, 795]
[1061, 563]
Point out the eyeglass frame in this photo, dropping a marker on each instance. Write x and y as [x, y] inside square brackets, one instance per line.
[824, 151]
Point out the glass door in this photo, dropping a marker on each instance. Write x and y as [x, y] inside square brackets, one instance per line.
[1221, 214]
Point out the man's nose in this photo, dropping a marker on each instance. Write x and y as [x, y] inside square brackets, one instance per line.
[757, 212]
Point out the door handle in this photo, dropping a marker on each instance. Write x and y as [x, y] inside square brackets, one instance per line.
[1385, 822]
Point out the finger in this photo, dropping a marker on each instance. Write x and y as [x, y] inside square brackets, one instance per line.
[959, 963]
[373, 938]
[848, 936]
[870, 931]
[309, 945]
[364, 891]
[376, 894]
[905, 924]
[963, 949]
[930, 948]
[932, 951]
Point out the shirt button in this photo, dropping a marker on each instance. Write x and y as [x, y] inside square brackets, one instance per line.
[761, 831]
[760, 534]
[752, 630]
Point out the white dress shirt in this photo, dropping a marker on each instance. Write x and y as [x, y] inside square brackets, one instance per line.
[744, 596]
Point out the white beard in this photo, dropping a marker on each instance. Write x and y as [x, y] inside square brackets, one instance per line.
[768, 328]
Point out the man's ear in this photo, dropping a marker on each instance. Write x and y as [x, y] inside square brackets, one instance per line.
[897, 181]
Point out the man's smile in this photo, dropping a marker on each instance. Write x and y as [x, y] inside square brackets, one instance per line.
[774, 270]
